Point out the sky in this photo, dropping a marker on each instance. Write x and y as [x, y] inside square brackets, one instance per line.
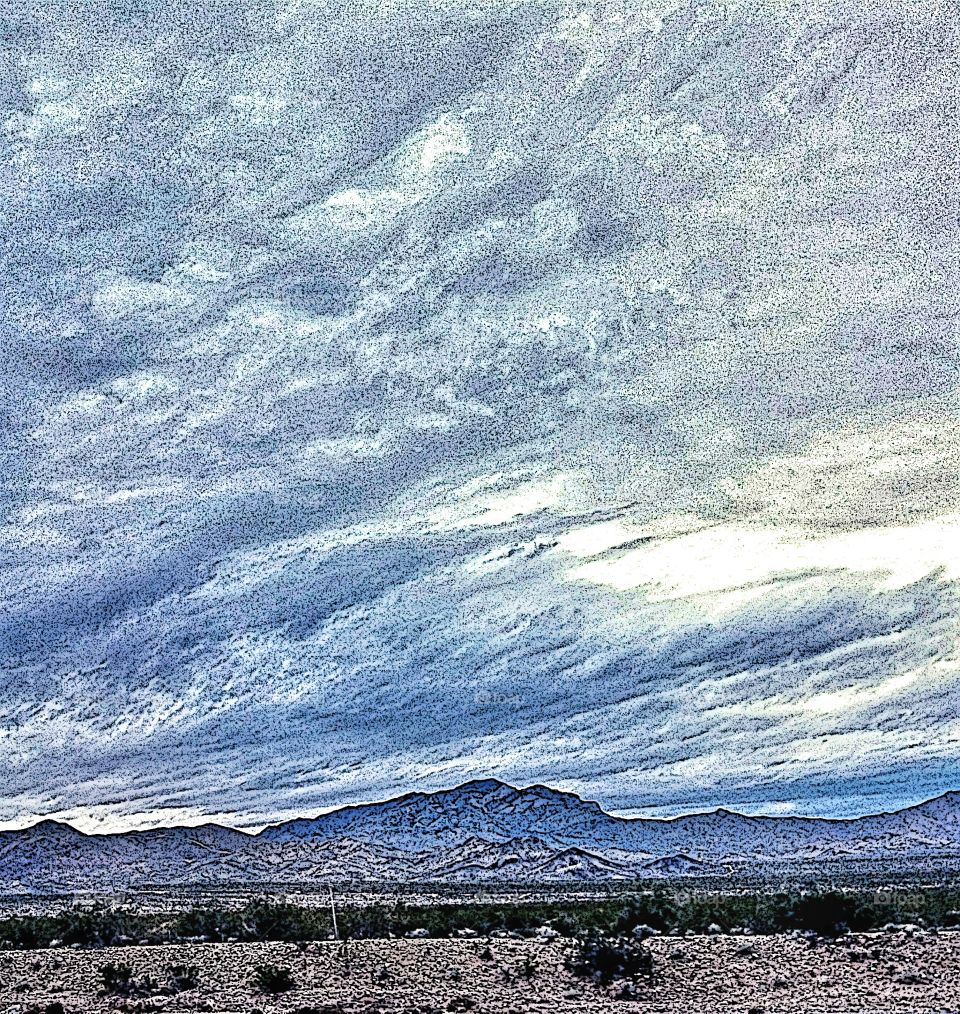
[396, 393]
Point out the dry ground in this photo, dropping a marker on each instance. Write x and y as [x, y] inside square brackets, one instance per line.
[888, 973]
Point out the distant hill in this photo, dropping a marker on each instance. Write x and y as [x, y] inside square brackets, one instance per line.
[483, 831]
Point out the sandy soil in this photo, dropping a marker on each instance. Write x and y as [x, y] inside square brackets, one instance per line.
[888, 973]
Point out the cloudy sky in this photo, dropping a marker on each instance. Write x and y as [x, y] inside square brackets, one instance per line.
[393, 393]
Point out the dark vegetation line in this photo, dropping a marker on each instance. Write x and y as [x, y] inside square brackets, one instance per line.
[826, 913]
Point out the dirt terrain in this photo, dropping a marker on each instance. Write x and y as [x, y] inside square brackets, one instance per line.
[887, 972]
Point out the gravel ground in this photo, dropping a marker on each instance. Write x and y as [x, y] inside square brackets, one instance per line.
[888, 973]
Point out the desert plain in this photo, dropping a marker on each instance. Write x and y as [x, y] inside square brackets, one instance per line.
[901, 972]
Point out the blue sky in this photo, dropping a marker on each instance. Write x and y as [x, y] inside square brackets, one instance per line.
[394, 394]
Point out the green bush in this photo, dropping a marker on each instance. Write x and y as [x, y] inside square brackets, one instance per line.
[117, 979]
[183, 977]
[605, 958]
[273, 979]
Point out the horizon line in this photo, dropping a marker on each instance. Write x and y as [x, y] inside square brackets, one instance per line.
[317, 815]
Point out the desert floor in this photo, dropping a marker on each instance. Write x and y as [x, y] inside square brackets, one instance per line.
[889, 973]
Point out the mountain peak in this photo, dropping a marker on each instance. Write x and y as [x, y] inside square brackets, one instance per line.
[479, 786]
[50, 826]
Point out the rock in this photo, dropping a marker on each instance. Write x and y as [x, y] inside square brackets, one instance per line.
[466, 933]
[714, 930]
[780, 983]
[902, 927]
[746, 950]
[677, 954]
[910, 979]
[547, 933]
[417, 934]
[643, 931]
[460, 1003]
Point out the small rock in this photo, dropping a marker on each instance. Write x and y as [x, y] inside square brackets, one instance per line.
[910, 979]
[461, 1003]
[417, 934]
[745, 950]
[714, 930]
[643, 931]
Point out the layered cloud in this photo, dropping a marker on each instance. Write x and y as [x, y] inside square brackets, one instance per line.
[397, 393]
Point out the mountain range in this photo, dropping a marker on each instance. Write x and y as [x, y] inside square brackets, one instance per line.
[483, 831]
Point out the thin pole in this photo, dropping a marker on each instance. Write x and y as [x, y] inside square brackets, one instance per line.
[333, 913]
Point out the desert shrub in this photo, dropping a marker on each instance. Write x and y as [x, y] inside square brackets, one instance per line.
[603, 958]
[273, 979]
[830, 914]
[183, 977]
[117, 979]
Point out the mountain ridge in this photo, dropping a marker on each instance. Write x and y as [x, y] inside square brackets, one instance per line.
[948, 795]
[481, 831]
